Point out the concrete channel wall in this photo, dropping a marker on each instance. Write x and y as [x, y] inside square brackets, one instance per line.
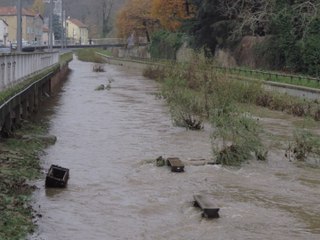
[15, 68]
[25, 103]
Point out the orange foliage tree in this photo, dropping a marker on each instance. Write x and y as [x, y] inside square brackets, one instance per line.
[170, 12]
[145, 16]
[134, 17]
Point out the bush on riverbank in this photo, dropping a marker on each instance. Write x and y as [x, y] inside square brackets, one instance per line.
[154, 72]
[291, 105]
[194, 93]
[304, 145]
[19, 164]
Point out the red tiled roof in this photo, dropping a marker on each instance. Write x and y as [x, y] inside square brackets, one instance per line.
[11, 11]
[78, 23]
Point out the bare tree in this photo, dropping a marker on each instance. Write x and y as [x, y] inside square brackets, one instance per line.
[106, 7]
[250, 16]
[306, 12]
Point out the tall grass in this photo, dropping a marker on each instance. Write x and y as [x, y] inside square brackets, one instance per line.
[195, 94]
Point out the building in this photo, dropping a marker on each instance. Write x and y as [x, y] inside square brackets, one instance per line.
[3, 32]
[77, 32]
[32, 24]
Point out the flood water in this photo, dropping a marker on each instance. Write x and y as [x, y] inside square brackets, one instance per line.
[106, 139]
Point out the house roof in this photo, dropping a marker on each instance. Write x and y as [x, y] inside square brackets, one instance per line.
[78, 23]
[12, 11]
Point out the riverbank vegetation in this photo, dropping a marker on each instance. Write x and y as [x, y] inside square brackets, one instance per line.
[19, 164]
[266, 34]
[304, 145]
[195, 94]
[89, 55]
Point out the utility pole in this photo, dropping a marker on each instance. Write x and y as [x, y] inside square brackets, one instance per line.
[62, 25]
[19, 26]
[50, 26]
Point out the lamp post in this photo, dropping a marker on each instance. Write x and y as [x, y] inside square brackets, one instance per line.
[63, 30]
[19, 26]
[50, 26]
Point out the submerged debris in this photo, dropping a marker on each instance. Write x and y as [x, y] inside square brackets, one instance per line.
[160, 162]
[100, 87]
[98, 68]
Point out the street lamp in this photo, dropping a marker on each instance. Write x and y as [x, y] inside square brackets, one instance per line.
[19, 26]
[50, 25]
[63, 25]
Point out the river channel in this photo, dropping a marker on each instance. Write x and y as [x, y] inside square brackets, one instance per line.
[107, 139]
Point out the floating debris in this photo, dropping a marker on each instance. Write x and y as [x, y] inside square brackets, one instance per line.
[207, 206]
[57, 177]
[176, 164]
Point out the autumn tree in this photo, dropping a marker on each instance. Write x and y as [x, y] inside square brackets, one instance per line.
[170, 13]
[38, 6]
[135, 17]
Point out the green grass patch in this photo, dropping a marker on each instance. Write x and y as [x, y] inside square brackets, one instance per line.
[89, 55]
[19, 164]
[65, 58]
[104, 52]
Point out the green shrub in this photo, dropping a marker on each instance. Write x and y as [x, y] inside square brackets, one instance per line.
[240, 136]
[165, 44]
[195, 92]
[304, 145]
[186, 105]
[154, 72]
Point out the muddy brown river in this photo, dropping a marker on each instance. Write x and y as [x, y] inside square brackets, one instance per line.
[107, 139]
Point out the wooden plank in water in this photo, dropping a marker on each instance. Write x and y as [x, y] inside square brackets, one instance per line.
[176, 164]
[207, 205]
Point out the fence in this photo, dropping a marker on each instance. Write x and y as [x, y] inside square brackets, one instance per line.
[300, 80]
[15, 68]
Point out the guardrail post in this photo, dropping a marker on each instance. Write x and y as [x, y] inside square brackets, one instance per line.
[2, 74]
[9, 73]
[14, 71]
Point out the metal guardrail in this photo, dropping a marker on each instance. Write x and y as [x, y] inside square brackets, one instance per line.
[248, 73]
[268, 76]
[14, 68]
